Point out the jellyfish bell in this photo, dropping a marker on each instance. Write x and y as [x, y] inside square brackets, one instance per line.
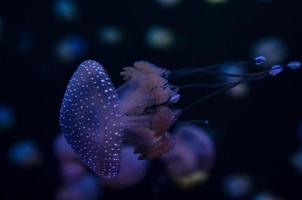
[65, 10]
[296, 160]
[95, 117]
[191, 159]
[238, 186]
[7, 117]
[299, 132]
[62, 150]
[168, 3]
[25, 153]
[110, 35]
[70, 48]
[159, 38]
[132, 170]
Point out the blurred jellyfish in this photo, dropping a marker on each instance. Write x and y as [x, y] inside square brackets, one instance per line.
[237, 186]
[25, 154]
[189, 162]
[97, 119]
[7, 117]
[232, 69]
[65, 10]
[265, 196]
[86, 188]
[72, 171]
[169, 3]
[296, 160]
[25, 43]
[132, 170]
[62, 150]
[273, 48]
[110, 35]
[240, 91]
[216, 2]
[70, 48]
[71, 168]
[300, 132]
[159, 38]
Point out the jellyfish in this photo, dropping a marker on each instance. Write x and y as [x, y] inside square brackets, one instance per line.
[78, 183]
[7, 117]
[296, 160]
[159, 38]
[189, 162]
[86, 188]
[216, 2]
[25, 43]
[241, 90]
[66, 10]
[25, 153]
[97, 119]
[237, 186]
[70, 48]
[132, 170]
[70, 167]
[110, 35]
[168, 3]
[266, 195]
[62, 150]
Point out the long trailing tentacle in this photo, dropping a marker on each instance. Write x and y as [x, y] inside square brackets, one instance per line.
[212, 69]
[216, 92]
[243, 78]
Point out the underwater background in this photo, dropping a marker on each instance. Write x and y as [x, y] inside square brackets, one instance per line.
[256, 129]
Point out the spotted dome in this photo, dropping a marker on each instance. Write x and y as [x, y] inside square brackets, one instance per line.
[90, 120]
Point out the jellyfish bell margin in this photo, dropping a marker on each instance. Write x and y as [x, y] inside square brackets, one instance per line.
[97, 119]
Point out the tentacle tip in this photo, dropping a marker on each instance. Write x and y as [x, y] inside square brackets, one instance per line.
[259, 60]
[275, 70]
[294, 65]
[206, 122]
[174, 98]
